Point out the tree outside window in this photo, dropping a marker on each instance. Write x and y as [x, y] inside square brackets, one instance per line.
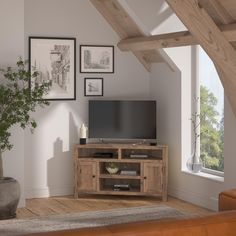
[211, 114]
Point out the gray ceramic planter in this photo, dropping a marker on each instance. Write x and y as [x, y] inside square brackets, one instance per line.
[9, 197]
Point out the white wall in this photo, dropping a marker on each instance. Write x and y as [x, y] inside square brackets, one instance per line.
[168, 113]
[48, 164]
[154, 14]
[166, 88]
[11, 47]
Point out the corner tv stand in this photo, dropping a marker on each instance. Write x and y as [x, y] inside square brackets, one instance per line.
[142, 169]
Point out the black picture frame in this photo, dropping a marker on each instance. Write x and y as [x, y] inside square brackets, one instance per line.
[55, 60]
[96, 59]
[93, 87]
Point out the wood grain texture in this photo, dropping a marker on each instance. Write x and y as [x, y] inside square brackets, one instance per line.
[216, 9]
[209, 36]
[151, 172]
[65, 205]
[178, 39]
[227, 7]
[125, 27]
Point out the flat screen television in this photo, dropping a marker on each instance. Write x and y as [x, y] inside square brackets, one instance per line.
[122, 119]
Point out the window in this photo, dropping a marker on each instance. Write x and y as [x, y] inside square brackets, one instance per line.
[211, 115]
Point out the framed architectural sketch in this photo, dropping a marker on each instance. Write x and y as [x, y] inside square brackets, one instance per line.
[96, 59]
[93, 86]
[55, 61]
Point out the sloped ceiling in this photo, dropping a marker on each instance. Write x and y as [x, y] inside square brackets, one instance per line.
[204, 19]
[210, 23]
[125, 22]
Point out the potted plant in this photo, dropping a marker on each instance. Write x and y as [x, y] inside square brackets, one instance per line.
[17, 101]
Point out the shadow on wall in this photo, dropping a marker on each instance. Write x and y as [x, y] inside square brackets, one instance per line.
[164, 15]
[60, 167]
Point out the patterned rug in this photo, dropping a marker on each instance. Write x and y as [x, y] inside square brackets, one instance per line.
[87, 219]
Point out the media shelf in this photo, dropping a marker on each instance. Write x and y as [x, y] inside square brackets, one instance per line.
[142, 169]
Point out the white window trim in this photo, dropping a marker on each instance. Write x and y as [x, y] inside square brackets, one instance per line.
[201, 174]
[213, 172]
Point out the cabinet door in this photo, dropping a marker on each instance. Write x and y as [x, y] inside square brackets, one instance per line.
[87, 180]
[152, 178]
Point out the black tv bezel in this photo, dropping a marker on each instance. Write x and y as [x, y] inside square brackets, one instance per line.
[112, 139]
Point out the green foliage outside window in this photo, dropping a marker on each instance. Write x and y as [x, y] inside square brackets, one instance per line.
[211, 132]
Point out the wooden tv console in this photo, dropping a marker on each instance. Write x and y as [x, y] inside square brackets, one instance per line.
[143, 168]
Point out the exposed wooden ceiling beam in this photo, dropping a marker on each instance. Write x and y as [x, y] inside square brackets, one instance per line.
[177, 39]
[228, 89]
[117, 17]
[218, 10]
[210, 37]
[124, 26]
[157, 41]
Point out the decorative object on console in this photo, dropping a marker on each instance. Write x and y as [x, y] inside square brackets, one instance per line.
[83, 134]
[96, 59]
[93, 87]
[55, 60]
[112, 167]
[194, 163]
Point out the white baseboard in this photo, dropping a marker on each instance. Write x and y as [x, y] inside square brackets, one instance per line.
[49, 192]
[194, 198]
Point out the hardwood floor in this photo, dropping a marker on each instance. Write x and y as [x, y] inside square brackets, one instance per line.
[62, 205]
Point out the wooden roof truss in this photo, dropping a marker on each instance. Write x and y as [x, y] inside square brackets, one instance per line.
[211, 23]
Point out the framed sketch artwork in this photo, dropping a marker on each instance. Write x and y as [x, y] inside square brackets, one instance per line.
[93, 86]
[55, 61]
[96, 59]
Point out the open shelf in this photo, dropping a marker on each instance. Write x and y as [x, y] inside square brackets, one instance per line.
[141, 154]
[113, 176]
[135, 176]
[108, 184]
[104, 153]
[122, 166]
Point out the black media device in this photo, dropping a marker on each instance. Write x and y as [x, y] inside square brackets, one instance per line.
[153, 144]
[122, 119]
[103, 155]
[82, 141]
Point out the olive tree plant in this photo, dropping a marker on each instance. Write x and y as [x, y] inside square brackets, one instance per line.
[17, 102]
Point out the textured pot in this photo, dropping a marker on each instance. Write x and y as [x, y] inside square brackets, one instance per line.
[9, 197]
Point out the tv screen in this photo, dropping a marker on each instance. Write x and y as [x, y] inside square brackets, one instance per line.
[122, 119]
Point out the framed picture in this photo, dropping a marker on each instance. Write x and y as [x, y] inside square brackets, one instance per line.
[96, 59]
[93, 86]
[55, 60]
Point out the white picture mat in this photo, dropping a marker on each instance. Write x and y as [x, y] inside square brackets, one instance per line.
[41, 59]
[96, 56]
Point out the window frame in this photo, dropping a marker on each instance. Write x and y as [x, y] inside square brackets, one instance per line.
[195, 107]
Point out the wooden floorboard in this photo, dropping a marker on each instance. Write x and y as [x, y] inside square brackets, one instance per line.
[63, 205]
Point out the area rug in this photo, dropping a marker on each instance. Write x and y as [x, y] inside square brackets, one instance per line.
[87, 219]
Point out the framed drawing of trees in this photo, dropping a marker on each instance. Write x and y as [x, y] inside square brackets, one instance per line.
[96, 59]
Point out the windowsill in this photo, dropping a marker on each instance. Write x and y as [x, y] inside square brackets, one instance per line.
[206, 176]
